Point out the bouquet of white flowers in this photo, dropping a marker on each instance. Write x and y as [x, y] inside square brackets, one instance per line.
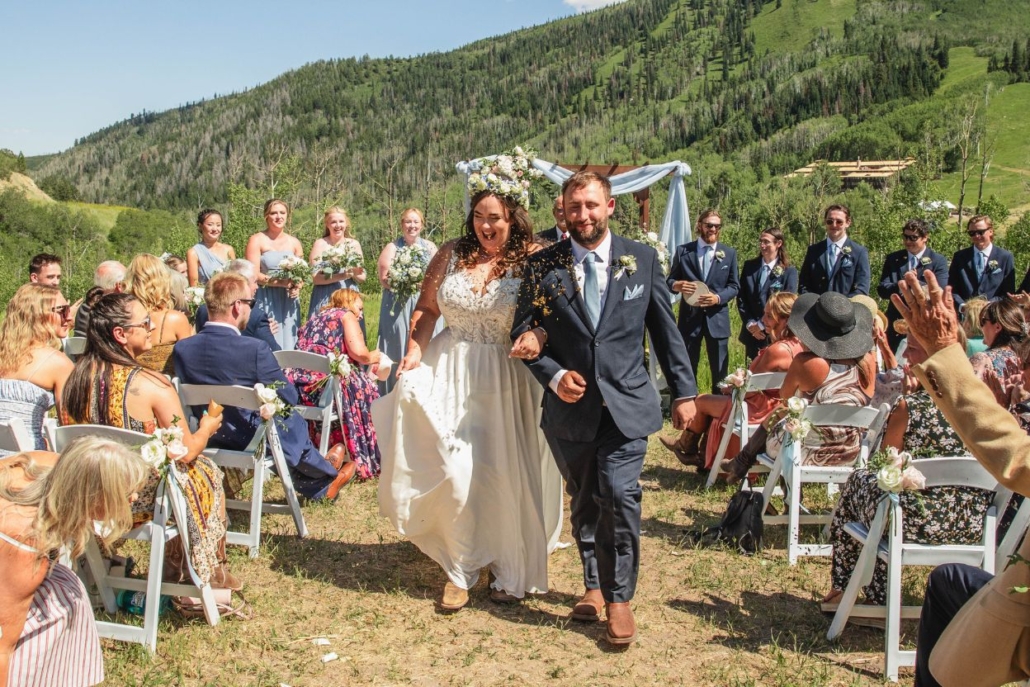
[895, 472]
[339, 366]
[796, 426]
[737, 382]
[336, 260]
[406, 273]
[165, 447]
[649, 238]
[194, 298]
[272, 404]
[294, 269]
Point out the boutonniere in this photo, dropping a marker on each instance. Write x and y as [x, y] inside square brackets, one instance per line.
[846, 250]
[719, 255]
[777, 271]
[925, 260]
[992, 265]
[627, 265]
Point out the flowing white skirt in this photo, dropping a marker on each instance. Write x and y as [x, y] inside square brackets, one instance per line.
[467, 474]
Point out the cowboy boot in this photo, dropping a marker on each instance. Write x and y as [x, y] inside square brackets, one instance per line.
[686, 447]
[221, 578]
[736, 468]
[175, 561]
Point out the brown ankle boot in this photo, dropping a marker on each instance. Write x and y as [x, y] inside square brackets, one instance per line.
[175, 561]
[736, 468]
[686, 447]
[221, 578]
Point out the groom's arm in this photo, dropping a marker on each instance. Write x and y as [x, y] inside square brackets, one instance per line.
[666, 339]
[528, 316]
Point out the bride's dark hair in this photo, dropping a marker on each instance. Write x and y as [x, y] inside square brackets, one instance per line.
[514, 252]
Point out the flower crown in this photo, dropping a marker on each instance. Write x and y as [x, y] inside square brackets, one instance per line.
[506, 174]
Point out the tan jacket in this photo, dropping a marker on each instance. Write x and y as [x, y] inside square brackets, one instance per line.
[988, 642]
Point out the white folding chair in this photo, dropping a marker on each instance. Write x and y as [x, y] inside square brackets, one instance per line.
[158, 532]
[869, 420]
[737, 422]
[895, 552]
[14, 437]
[73, 346]
[246, 398]
[330, 404]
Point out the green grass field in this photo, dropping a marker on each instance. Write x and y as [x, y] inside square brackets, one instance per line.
[792, 26]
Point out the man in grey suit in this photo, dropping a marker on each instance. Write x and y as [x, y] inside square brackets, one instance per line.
[590, 299]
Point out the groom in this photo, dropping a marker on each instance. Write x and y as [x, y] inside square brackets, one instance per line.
[590, 299]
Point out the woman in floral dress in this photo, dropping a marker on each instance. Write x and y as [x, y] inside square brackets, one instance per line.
[335, 329]
[1004, 325]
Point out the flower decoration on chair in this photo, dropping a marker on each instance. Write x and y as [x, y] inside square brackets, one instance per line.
[271, 403]
[506, 174]
[293, 269]
[336, 260]
[649, 238]
[406, 273]
[798, 427]
[737, 382]
[165, 447]
[895, 472]
[339, 367]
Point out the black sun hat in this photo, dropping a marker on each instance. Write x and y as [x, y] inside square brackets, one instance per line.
[831, 326]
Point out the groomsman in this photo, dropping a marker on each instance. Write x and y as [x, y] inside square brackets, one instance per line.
[838, 263]
[983, 269]
[917, 257]
[558, 232]
[761, 277]
[715, 265]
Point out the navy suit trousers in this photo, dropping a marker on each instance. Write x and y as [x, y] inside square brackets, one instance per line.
[948, 589]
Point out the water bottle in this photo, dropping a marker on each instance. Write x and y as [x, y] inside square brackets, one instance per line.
[136, 602]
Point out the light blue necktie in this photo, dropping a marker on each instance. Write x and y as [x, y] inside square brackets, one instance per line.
[831, 258]
[764, 276]
[591, 291]
[911, 262]
[979, 263]
[706, 261]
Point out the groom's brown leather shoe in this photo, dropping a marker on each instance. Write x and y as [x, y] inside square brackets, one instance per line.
[622, 628]
[589, 607]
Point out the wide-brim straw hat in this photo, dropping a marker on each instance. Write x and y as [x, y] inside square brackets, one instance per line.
[831, 326]
[873, 308]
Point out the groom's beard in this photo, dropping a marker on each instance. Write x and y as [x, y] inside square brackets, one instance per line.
[591, 235]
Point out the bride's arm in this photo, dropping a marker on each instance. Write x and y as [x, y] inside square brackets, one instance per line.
[427, 310]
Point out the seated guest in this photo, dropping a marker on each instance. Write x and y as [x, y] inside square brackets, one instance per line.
[110, 277]
[335, 329]
[109, 387]
[836, 264]
[1004, 325]
[45, 269]
[838, 366]
[150, 282]
[258, 325]
[971, 325]
[938, 515]
[713, 409]
[889, 374]
[33, 370]
[916, 257]
[973, 629]
[49, 635]
[218, 354]
[769, 273]
[983, 269]
[174, 263]
[713, 264]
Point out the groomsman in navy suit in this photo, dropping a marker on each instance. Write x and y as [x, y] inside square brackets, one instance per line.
[838, 263]
[917, 257]
[706, 260]
[983, 269]
[761, 277]
[558, 232]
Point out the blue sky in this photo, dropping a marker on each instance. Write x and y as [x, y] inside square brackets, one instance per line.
[75, 66]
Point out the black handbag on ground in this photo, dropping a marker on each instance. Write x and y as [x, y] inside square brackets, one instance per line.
[741, 525]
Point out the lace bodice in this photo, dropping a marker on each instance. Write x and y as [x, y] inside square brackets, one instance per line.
[474, 316]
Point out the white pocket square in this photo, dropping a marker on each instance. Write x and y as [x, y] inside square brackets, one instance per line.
[633, 292]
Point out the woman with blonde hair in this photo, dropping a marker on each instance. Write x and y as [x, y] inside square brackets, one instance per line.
[149, 280]
[33, 370]
[334, 329]
[276, 296]
[47, 502]
[971, 325]
[337, 235]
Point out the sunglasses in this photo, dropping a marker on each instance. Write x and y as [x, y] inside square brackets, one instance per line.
[145, 324]
[911, 237]
[712, 225]
[249, 301]
[977, 233]
[63, 310]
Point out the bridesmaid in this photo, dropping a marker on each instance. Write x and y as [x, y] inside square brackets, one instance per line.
[337, 233]
[277, 297]
[393, 329]
[209, 256]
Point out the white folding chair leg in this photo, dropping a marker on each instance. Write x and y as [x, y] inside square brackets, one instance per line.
[284, 476]
[97, 569]
[860, 576]
[727, 434]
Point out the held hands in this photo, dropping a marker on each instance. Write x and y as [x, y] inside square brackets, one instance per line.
[571, 386]
[529, 345]
[683, 412]
[932, 321]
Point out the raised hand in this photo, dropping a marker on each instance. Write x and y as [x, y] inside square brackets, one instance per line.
[931, 320]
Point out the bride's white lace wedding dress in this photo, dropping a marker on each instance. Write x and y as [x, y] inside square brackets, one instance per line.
[467, 474]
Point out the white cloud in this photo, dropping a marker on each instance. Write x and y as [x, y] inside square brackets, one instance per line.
[587, 5]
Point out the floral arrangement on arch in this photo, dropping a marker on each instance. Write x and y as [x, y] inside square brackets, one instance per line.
[506, 174]
[336, 260]
[650, 238]
[406, 273]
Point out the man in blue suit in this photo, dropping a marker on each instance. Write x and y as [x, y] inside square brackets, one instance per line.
[558, 232]
[258, 325]
[592, 298]
[983, 269]
[218, 354]
[838, 263]
[915, 256]
[769, 273]
[707, 261]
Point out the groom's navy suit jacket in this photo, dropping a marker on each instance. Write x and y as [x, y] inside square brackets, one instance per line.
[721, 280]
[850, 273]
[997, 282]
[610, 358]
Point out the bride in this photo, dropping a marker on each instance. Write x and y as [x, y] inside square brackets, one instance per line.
[467, 475]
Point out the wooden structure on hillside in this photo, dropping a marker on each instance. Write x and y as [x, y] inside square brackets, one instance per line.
[874, 172]
[642, 197]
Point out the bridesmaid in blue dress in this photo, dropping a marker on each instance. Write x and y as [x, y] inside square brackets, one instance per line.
[393, 328]
[277, 297]
[337, 230]
[210, 255]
